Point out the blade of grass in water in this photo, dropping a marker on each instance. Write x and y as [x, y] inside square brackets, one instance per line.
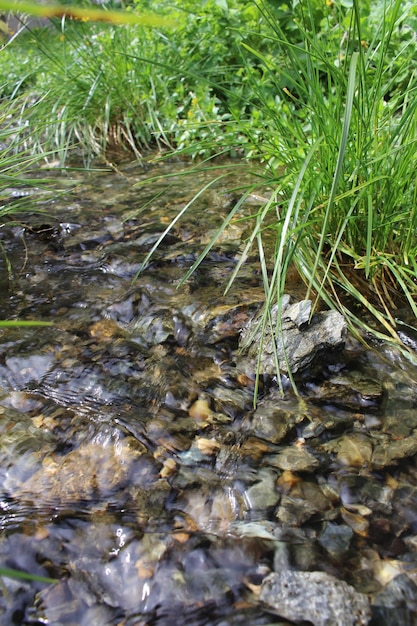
[14, 573]
[18, 323]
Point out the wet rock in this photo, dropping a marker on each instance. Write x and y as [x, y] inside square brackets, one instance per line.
[400, 422]
[153, 329]
[336, 538]
[90, 472]
[321, 419]
[270, 424]
[396, 603]
[263, 494]
[316, 597]
[293, 458]
[356, 519]
[350, 390]
[388, 451]
[353, 449]
[212, 509]
[273, 418]
[20, 371]
[304, 500]
[215, 323]
[299, 343]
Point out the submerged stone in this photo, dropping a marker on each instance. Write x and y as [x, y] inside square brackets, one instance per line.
[295, 459]
[396, 603]
[336, 538]
[350, 390]
[301, 501]
[316, 597]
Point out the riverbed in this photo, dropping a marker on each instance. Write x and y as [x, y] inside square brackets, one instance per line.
[136, 471]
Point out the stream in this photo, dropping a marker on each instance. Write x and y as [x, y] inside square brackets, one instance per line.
[135, 470]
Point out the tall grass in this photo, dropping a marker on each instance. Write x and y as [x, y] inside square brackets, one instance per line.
[16, 164]
[104, 88]
[351, 229]
[338, 139]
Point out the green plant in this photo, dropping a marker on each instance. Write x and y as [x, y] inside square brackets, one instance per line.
[14, 573]
[15, 162]
[355, 206]
[337, 134]
[133, 88]
[322, 95]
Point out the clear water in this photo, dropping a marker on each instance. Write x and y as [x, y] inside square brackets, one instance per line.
[134, 469]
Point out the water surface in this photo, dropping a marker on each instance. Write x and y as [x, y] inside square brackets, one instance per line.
[134, 468]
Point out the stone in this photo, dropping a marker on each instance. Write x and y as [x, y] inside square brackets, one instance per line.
[316, 597]
[300, 341]
[303, 500]
[396, 603]
[336, 538]
[294, 458]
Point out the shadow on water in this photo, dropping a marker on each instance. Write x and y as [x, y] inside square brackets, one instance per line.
[134, 468]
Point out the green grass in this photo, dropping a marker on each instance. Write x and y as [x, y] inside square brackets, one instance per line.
[19, 575]
[105, 88]
[337, 134]
[16, 162]
[354, 210]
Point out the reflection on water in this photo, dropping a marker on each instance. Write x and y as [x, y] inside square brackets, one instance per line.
[134, 469]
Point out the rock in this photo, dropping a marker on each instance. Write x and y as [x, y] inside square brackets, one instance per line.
[263, 494]
[336, 538]
[304, 500]
[273, 418]
[316, 597]
[92, 472]
[389, 451]
[300, 341]
[350, 390]
[294, 458]
[213, 322]
[353, 449]
[396, 603]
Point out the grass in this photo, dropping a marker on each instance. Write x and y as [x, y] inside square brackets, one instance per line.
[15, 164]
[19, 575]
[355, 207]
[338, 140]
[109, 89]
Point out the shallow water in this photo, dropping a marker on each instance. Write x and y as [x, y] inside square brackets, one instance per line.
[134, 469]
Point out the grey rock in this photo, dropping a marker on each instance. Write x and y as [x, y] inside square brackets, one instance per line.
[315, 597]
[273, 418]
[299, 342]
[396, 603]
[336, 538]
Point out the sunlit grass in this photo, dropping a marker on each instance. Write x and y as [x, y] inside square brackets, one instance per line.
[112, 91]
[338, 143]
[16, 163]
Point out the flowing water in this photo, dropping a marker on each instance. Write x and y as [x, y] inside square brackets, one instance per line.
[134, 469]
